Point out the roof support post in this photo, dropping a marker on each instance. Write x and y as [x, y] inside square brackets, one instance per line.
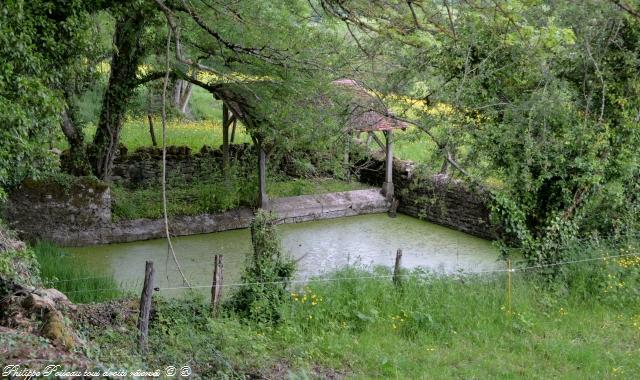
[263, 198]
[387, 186]
[225, 140]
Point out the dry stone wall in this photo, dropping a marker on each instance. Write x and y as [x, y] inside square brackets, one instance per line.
[79, 213]
[143, 167]
[436, 198]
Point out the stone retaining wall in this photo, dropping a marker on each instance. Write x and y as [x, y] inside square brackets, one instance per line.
[143, 167]
[36, 208]
[436, 198]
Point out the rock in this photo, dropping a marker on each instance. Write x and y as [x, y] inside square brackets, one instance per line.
[34, 302]
[58, 298]
[54, 294]
[122, 150]
[55, 330]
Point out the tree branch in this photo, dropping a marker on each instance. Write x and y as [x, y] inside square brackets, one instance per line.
[627, 8]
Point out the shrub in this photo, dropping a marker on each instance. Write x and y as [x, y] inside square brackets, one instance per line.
[266, 275]
[17, 262]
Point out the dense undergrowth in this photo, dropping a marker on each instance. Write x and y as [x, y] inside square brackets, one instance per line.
[17, 261]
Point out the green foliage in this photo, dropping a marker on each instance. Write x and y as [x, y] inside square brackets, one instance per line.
[204, 107]
[28, 106]
[266, 275]
[180, 132]
[189, 334]
[288, 187]
[80, 282]
[543, 99]
[17, 264]
[613, 280]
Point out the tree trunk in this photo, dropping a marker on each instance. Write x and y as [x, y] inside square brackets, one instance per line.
[184, 99]
[263, 198]
[177, 92]
[154, 142]
[121, 87]
[446, 165]
[182, 91]
[233, 129]
[77, 162]
[444, 169]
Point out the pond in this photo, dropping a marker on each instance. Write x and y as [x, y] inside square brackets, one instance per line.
[319, 247]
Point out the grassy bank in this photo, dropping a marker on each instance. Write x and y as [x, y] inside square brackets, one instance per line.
[582, 325]
[215, 195]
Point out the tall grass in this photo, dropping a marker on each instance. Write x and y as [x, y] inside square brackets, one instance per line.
[442, 327]
[80, 282]
[181, 132]
[192, 199]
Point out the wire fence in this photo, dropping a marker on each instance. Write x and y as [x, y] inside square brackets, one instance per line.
[352, 260]
[364, 277]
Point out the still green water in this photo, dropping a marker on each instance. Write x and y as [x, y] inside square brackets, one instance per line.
[319, 247]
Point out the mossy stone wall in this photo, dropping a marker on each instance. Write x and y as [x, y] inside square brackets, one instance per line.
[143, 167]
[37, 207]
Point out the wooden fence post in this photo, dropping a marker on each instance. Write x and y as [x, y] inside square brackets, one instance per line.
[145, 305]
[396, 268]
[216, 285]
[509, 286]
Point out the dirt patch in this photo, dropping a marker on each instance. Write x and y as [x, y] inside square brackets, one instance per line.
[114, 314]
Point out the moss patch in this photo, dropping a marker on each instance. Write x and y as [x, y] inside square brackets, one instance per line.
[61, 186]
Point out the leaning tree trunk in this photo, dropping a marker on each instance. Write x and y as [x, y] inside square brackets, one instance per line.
[121, 87]
[182, 91]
